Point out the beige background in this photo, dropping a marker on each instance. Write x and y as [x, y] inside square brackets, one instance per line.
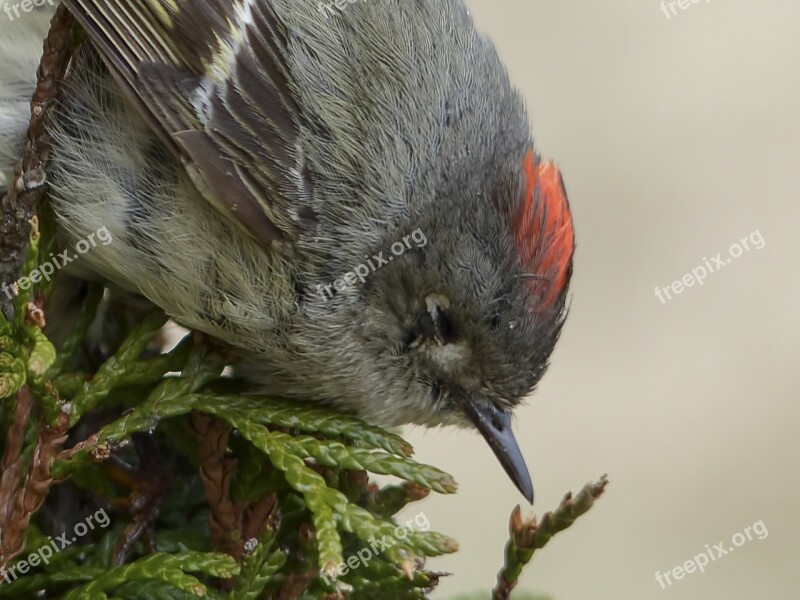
[677, 137]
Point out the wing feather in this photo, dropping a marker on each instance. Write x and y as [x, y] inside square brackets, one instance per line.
[211, 78]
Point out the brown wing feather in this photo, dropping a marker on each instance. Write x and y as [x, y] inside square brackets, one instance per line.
[236, 126]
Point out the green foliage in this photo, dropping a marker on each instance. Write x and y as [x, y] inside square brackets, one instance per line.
[209, 493]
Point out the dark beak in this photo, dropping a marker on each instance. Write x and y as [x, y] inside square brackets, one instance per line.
[495, 426]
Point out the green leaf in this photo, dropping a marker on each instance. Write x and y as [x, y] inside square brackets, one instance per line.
[13, 367]
[170, 569]
[172, 397]
[311, 419]
[150, 590]
[28, 586]
[259, 567]
[113, 371]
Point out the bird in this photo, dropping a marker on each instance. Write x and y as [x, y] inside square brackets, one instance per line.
[348, 194]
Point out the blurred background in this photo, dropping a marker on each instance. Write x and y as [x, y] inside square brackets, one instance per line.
[678, 134]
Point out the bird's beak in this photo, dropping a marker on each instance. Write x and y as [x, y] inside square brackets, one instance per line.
[495, 426]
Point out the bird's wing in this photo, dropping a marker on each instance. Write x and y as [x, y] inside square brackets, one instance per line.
[211, 79]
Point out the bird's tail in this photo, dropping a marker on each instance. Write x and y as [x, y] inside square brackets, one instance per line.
[21, 37]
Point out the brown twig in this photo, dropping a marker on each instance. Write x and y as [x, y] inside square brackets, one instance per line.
[12, 464]
[526, 536]
[296, 584]
[17, 210]
[258, 515]
[226, 517]
[149, 485]
[29, 182]
[18, 506]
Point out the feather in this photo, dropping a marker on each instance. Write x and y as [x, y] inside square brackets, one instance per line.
[211, 79]
[543, 232]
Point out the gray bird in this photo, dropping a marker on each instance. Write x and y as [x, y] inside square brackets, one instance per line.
[346, 192]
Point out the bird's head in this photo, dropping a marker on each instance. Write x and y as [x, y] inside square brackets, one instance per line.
[471, 318]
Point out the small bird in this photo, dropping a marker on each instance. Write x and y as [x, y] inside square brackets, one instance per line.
[347, 193]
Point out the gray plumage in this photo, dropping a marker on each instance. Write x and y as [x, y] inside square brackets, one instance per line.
[242, 154]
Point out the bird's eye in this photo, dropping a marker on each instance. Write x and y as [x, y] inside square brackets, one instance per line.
[426, 326]
[411, 340]
[421, 330]
[445, 329]
[433, 325]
